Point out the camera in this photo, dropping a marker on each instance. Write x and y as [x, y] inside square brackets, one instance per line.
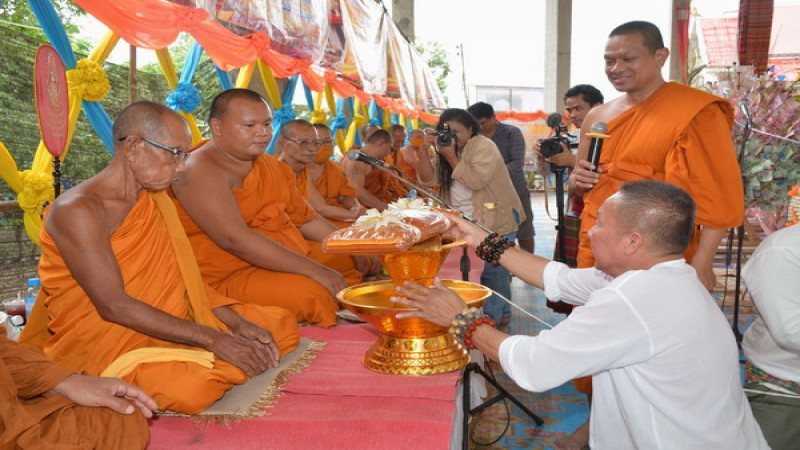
[444, 137]
[552, 146]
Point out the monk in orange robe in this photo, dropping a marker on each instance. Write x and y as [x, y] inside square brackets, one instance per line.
[659, 131]
[121, 291]
[46, 406]
[255, 237]
[375, 189]
[322, 183]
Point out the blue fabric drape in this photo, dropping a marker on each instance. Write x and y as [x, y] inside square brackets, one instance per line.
[283, 115]
[224, 79]
[54, 30]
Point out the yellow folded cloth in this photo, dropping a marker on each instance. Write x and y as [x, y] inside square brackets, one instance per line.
[126, 363]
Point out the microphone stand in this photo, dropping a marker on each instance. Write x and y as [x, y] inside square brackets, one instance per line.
[748, 128]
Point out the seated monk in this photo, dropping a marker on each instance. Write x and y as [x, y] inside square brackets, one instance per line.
[409, 157]
[302, 160]
[121, 291]
[374, 187]
[255, 237]
[46, 406]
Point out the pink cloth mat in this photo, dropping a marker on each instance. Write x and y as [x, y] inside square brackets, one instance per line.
[335, 403]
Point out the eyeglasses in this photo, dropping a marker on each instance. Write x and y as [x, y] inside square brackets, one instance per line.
[305, 144]
[178, 156]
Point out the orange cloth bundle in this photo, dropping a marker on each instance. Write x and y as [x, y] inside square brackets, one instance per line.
[404, 224]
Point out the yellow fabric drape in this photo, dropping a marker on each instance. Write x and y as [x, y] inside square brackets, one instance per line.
[358, 121]
[34, 186]
[128, 362]
[245, 75]
[270, 84]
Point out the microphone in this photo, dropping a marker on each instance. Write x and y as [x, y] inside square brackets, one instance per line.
[745, 107]
[598, 135]
[554, 120]
[355, 155]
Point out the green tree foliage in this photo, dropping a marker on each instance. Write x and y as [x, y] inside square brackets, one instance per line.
[437, 59]
[19, 12]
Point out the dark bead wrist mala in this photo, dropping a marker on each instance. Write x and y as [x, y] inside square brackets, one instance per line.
[491, 248]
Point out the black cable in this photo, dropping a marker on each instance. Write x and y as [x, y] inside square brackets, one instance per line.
[508, 414]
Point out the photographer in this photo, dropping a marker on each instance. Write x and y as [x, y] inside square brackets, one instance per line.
[578, 100]
[511, 143]
[473, 179]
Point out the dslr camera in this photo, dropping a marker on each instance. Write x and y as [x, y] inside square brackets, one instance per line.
[444, 137]
[552, 146]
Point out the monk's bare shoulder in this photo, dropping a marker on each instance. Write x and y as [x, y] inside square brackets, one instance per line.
[202, 173]
[76, 212]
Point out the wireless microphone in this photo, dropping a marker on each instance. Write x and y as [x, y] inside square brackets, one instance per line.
[355, 155]
[598, 135]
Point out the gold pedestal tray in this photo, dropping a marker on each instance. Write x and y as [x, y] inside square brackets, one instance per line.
[408, 346]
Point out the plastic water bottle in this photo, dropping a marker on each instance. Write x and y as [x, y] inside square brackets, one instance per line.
[30, 295]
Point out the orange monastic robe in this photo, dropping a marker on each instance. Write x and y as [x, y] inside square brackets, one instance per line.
[270, 204]
[679, 135]
[67, 326]
[382, 186]
[29, 419]
[397, 189]
[332, 184]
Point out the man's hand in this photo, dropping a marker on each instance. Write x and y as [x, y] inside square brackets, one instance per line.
[332, 280]
[112, 393]
[249, 355]
[465, 230]
[367, 264]
[437, 304]
[584, 176]
[262, 336]
[563, 159]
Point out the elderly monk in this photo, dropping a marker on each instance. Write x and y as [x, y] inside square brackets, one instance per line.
[121, 291]
[374, 187]
[661, 131]
[46, 406]
[301, 146]
[255, 237]
[341, 203]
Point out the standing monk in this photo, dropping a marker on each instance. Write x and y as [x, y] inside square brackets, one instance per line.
[661, 131]
[254, 235]
[121, 291]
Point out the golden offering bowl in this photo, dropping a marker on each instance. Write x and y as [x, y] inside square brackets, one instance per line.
[410, 346]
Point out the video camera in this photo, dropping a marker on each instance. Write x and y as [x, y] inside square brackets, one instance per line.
[552, 146]
[444, 137]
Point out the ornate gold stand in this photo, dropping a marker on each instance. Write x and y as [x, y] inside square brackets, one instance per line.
[408, 346]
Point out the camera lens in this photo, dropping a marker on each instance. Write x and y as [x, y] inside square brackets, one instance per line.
[444, 139]
[551, 147]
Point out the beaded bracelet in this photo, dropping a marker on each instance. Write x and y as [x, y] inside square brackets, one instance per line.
[491, 248]
[465, 323]
[485, 320]
[462, 320]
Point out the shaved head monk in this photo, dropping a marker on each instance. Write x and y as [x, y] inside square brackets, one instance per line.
[255, 237]
[121, 291]
[374, 187]
[300, 144]
[341, 206]
[661, 131]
